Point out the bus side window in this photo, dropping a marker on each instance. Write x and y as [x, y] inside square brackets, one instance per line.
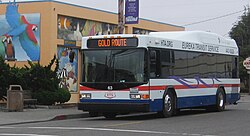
[155, 65]
[167, 63]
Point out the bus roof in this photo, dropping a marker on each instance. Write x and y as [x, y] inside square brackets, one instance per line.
[181, 40]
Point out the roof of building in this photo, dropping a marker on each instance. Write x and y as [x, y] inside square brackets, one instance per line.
[80, 6]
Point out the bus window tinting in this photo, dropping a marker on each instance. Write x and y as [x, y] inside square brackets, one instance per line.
[124, 65]
[190, 64]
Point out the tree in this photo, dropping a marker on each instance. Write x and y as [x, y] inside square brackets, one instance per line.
[42, 77]
[240, 32]
[41, 80]
[4, 78]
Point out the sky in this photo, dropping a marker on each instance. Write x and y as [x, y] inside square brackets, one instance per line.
[217, 16]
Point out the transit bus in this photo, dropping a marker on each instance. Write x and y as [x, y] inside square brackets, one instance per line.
[162, 72]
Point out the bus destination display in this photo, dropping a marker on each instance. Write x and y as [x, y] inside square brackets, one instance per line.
[112, 42]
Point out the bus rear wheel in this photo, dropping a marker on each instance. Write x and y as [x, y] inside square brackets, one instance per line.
[220, 100]
[168, 105]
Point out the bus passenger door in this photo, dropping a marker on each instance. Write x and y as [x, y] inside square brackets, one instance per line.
[155, 88]
[155, 64]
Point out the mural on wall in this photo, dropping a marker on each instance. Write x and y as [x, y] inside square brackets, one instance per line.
[68, 68]
[70, 28]
[141, 31]
[19, 35]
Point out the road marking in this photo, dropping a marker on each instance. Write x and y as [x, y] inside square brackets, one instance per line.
[204, 114]
[123, 124]
[6, 127]
[8, 134]
[120, 130]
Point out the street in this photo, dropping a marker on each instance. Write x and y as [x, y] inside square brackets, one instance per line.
[232, 122]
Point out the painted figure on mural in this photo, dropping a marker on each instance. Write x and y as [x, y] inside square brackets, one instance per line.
[21, 28]
[10, 51]
[3, 47]
[68, 68]
[71, 28]
[7, 50]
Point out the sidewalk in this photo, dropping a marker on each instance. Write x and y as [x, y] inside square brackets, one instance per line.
[245, 97]
[40, 114]
[44, 113]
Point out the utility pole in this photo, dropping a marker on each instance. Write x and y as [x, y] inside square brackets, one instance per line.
[120, 16]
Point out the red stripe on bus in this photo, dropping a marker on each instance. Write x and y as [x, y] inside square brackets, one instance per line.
[152, 88]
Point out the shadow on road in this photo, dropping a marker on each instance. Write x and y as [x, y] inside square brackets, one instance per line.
[151, 116]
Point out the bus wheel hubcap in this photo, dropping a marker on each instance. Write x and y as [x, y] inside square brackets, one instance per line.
[221, 100]
[168, 104]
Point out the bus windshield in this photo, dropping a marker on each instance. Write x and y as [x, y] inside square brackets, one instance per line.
[114, 66]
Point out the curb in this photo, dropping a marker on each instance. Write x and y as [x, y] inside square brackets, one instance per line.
[58, 117]
[25, 122]
[71, 116]
[59, 106]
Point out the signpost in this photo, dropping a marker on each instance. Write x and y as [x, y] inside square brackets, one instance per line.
[131, 11]
[246, 64]
[120, 16]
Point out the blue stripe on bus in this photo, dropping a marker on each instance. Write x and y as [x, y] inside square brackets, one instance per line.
[114, 101]
[232, 98]
[182, 102]
[196, 101]
[155, 105]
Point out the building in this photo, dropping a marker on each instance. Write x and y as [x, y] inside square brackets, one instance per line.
[53, 27]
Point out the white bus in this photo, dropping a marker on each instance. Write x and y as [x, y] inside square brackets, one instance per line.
[161, 72]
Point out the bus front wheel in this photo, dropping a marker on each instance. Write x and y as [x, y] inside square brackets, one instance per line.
[93, 114]
[109, 115]
[168, 105]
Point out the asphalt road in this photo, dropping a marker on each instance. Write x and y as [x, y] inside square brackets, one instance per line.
[235, 121]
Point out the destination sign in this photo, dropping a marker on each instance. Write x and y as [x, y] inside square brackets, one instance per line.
[112, 42]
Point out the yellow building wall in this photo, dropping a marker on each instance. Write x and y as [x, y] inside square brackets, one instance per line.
[49, 12]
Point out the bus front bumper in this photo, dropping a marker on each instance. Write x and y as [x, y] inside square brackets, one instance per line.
[113, 107]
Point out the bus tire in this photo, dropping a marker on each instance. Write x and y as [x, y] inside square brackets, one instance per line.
[220, 100]
[109, 115]
[169, 108]
[93, 114]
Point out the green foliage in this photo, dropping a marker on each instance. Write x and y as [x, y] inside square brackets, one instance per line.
[62, 95]
[42, 80]
[241, 34]
[4, 78]
[16, 77]
[42, 77]
[45, 97]
[49, 98]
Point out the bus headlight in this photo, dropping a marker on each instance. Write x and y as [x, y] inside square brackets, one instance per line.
[86, 96]
[139, 96]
